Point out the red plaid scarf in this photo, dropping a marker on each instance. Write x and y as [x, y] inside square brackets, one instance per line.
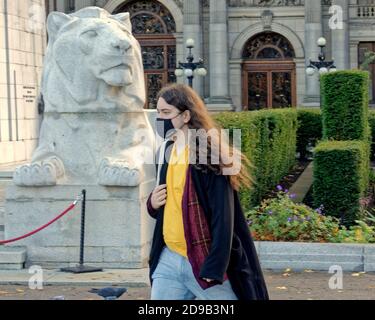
[197, 232]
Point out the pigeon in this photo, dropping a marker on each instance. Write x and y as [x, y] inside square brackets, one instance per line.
[109, 293]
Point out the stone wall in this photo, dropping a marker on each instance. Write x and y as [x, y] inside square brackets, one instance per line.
[22, 45]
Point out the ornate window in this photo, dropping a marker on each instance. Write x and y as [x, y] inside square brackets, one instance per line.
[153, 26]
[268, 45]
[268, 72]
[149, 17]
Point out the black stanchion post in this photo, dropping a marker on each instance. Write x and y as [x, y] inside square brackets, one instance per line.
[81, 268]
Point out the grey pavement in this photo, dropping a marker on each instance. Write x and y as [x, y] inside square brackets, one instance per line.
[282, 285]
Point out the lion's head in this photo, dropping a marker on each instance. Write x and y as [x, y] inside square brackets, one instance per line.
[91, 48]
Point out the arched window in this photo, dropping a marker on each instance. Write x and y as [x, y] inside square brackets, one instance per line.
[150, 17]
[153, 26]
[268, 45]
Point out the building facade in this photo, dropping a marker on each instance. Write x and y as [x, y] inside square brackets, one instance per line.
[256, 51]
[22, 47]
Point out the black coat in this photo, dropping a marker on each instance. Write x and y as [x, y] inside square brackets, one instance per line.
[232, 249]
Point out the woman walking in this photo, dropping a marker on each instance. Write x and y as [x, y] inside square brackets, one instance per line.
[201, 247]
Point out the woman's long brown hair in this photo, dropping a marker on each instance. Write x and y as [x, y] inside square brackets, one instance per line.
[184, 98]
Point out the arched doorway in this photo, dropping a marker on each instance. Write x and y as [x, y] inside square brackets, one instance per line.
[268, 72]
[153, 26]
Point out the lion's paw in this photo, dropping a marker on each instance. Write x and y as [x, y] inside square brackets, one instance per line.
[43, 173]
[118, 173]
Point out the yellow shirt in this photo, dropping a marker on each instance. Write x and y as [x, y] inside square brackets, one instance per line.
[173, 229]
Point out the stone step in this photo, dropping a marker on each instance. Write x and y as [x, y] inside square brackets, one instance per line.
[5, 182]
[12, 258]
[6, 175]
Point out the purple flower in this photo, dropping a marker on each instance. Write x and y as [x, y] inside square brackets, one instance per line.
[286, 191]
[319, 211]
[308, 218]
[289, 219]
[249, 222]
[270, 212]
[280, 188]
[292, 196]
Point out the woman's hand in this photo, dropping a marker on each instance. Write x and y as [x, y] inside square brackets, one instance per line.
[159, 196]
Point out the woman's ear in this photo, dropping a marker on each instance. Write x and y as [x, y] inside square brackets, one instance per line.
[187, 116]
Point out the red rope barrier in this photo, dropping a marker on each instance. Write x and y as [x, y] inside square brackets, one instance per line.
[42, 227]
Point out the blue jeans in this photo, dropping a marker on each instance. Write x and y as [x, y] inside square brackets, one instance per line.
[173, 279]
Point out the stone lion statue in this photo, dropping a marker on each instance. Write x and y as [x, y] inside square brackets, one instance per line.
[94, 130]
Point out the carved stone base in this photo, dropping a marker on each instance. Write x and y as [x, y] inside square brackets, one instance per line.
[118, 229]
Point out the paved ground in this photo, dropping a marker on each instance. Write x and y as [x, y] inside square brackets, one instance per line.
[286, 285]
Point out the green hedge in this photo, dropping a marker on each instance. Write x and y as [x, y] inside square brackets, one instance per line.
[342, 162]
[371, 120]
[268, 139]
[345, 105]
[309, 128]
[341, 176]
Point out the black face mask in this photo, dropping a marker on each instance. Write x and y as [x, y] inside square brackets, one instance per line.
[165, 126]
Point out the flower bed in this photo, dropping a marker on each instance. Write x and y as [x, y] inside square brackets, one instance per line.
[280, 219]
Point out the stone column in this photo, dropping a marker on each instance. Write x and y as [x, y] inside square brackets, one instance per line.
[193, 30]
[83, 3]
[340, 38]
[218, 56]
[313, 31]
[60, 6]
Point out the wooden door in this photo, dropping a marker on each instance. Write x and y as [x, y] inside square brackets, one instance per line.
[268, 84]
[159, 61]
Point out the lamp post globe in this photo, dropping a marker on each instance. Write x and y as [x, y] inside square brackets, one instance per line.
[322, 42]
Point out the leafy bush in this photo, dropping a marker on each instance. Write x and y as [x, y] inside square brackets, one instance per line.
[281, 219]
[345, 100]
[341, 177]
[309, 128]
[268, 139]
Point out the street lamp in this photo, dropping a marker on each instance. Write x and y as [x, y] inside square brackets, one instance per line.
[190, 68]
[322, 65]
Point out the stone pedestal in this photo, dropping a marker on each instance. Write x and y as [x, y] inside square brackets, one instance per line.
[118, 229]
[95, 136]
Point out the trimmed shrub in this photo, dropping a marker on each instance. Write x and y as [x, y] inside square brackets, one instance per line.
[342, 167]
[309, 128]
[371, 119]
[345, 105]
[341, 176]
[268, 139]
